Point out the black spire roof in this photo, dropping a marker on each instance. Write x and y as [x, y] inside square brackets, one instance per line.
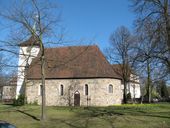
[32, 41]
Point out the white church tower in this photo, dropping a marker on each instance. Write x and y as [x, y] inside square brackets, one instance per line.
[27, 51]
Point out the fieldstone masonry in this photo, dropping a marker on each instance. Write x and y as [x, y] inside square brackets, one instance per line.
[98, 92]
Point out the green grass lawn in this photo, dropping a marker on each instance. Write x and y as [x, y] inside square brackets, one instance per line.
[122, 116]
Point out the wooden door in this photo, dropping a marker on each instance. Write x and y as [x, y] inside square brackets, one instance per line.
[76, 99]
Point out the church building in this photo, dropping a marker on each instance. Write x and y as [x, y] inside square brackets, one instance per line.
[74, 76]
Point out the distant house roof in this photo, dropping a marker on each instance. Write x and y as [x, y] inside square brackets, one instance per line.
[32, 41]
[13, 81]
[118, 69]
[73, 62]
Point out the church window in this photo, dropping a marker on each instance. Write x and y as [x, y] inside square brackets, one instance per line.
[110, 88]
[86, 89]
[61, 90]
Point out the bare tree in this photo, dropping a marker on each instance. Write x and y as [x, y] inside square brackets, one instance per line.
[32, 18]
[162, 89]
[153, 30]
[71, 90]
[157, 14]
[120, 52]
[1, 62]
[147, 60]
[156, 10]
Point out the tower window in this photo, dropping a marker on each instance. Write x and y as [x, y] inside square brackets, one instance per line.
[28, 49]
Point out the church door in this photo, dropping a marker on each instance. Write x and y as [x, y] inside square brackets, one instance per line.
[76, 98]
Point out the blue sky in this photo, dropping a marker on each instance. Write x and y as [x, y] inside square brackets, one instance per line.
[95, 19]
[87, 20]
[91, 20]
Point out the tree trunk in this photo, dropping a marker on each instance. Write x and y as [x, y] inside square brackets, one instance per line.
[125, 92]
[148, 82]
[25, 81]
[43, 111]
[25, 84]
[141, 101]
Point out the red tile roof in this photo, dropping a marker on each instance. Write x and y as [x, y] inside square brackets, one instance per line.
[73, 62]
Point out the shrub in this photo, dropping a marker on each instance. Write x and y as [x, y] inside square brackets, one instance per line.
[129, 96]
[34, 103]
[20, 101]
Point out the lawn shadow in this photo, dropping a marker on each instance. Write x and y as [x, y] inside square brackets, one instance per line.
[159, 116]
[149, 114]
[111, 121]
[98, 112]
[73, 123]
[108, 115]
[85, 117]
[33, 117]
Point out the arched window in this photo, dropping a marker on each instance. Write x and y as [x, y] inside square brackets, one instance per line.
[110, 88]
[61, 90]
[86, 90]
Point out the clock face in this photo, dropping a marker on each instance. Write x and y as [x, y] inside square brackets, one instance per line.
[31, 49]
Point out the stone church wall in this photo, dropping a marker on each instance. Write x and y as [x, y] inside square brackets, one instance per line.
[98, 92]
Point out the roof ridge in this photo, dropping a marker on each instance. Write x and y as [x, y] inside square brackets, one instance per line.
[72, 46]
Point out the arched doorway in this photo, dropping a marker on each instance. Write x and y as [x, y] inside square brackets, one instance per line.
[76, 98]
